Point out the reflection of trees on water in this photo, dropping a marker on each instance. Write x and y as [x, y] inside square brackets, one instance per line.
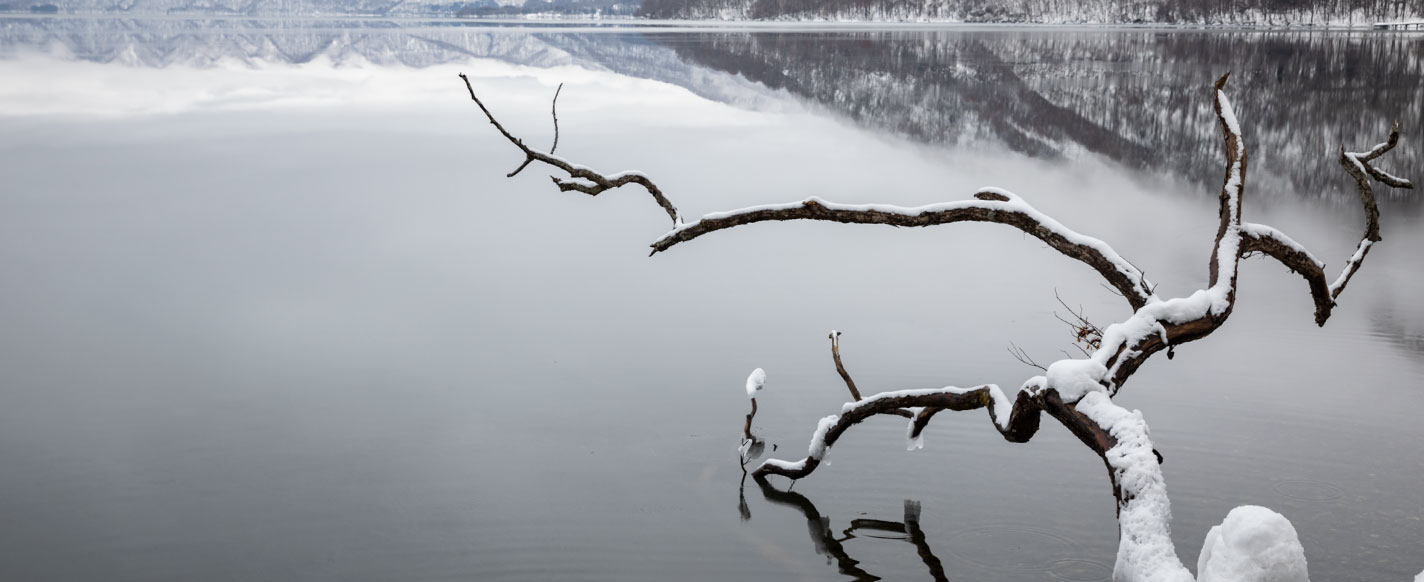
[1136, 97]
[1400, 331]
[826, 542]
[207, 43]
[162, 43]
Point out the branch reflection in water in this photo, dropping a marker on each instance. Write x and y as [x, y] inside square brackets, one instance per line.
[826, 542]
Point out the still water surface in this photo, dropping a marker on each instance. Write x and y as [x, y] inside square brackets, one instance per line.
[272, 311]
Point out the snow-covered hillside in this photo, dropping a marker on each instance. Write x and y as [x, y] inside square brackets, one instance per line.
[1234, 12]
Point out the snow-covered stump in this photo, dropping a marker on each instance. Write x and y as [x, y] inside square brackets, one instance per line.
[1252, 544]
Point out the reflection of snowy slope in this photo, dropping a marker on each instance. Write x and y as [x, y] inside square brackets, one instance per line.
[228, 6]
[1139, 98]
[164, 43]
[635, 55]
[190, 43]
[1135, 97]
[265, 7]
[1301, 96]
[1243, 12]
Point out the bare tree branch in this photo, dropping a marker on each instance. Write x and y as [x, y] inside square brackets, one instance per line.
[595, 183]
[554, 112]
[850, 384]
[1076, 392]
[989, 205]
[1022, 356]
[840, 368]
[1085, 332]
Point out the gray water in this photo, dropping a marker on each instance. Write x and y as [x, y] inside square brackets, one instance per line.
[272, 311]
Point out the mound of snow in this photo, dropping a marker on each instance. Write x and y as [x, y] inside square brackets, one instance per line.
[1253, 544]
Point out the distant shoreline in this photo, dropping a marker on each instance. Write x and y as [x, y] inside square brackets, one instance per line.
[625, 22]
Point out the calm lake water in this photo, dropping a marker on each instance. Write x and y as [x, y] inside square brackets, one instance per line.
[271, 310]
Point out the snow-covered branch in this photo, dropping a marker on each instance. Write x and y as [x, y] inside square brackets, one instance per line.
[1076, 392]
[988, 205]
[1295, 257]
[1017, 420]
[1155, 325]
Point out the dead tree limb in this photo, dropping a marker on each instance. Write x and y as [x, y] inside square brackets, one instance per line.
[840, 368]
[1085, 332]
[1076, 392]
[554, 113]
[594, 183]
[1022, 356]
[850, 384]
[988, 205]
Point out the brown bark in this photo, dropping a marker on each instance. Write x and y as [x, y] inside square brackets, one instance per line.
[840, 368]
[850, 384]
[596, 183]
[1129, 285]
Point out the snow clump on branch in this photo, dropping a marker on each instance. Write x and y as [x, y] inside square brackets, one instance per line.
[756, 382]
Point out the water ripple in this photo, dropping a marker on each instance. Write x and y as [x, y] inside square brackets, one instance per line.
[1306, 490]
[1012, 547]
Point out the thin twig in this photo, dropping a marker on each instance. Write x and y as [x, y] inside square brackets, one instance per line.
[850, 384]
[1084, 331]
[840, 368]
[593, 183]
[1019, 354]
[554, 111]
